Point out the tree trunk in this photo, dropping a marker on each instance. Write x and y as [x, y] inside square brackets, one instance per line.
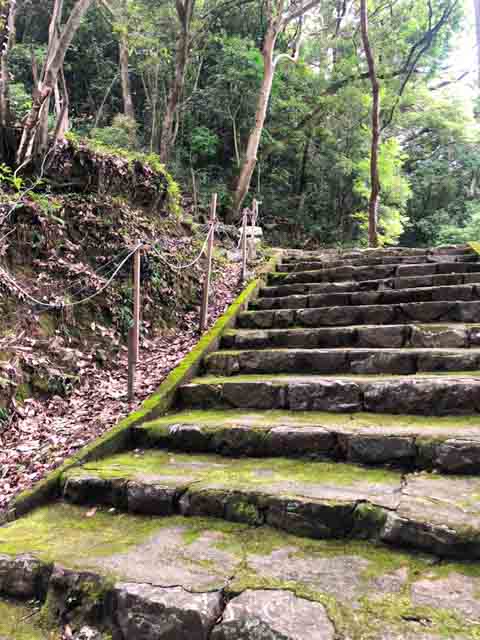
[185, 10]
[477, 20]
[250, 162]
[374, 175]
[7, 36]
[45, 86]
[124, 63]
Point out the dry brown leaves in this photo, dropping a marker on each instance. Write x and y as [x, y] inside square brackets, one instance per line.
[45, 433]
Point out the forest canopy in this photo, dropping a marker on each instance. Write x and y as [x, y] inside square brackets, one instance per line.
[285, 101]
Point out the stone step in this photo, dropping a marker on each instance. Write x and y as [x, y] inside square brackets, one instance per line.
[197, 579]
[423, 394]
[467, 292]
[405, 313]
[404, 361]
[338, 274]
[450, 444]
[330, 255]
[375, 336]
[313, 265]
[370, 285]
[318, 500]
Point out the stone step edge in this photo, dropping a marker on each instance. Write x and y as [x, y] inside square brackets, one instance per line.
[299, 515]
[401, 313]
[131, 609]
[428, 395]
[386, 284]
[440, 293]
[292, 266]
[448, 452]
[415, 336]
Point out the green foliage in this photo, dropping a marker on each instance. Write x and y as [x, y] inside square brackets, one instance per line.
[122, 134]
[9, 179]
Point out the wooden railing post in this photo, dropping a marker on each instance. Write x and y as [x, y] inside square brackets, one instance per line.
[208, 274]
[244, 246]
[134, 331]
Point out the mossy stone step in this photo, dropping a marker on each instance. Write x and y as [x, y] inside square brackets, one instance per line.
[312, 265]
[447, 279]
[313, 499]
[453, 335]
[467, 292]
[342, 360]
[407, 313]
[232, 580]
[292, 256]
[451, 445]
[373, 272]
[424, 394]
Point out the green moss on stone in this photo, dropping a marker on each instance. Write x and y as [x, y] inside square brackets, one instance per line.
[23, 622]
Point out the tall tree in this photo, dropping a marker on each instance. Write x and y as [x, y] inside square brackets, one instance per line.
[280, 14]
[7, 35]
[185, 10]
[374, 173]
[34, 127]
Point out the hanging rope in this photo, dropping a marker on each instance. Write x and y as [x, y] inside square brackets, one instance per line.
[63, 304]
[194, 262]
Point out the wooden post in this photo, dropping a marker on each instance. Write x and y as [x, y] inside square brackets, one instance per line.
[134, 331]
[131, 365]
[252, 248]
[244, 246]
[208, 274]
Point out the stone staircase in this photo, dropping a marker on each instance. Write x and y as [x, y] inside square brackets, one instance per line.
[320, 480]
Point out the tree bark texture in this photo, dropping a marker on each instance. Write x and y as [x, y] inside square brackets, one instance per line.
[185, 9]
[477, 22]
[374, 174]
[45, 86]
[7, 36]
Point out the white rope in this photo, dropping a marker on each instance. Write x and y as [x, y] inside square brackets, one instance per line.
[194, 262]
[63, 305]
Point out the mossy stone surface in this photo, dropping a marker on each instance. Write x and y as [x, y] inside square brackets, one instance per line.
[23, 622]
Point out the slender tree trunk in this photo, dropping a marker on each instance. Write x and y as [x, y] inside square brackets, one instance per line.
[45, 86]
[185, 9]
[374, 175]
[124, 63]
[477, 20]
[248, 167]
[7, 36]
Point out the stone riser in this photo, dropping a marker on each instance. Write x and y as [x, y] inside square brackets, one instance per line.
[428, 294]
[299, 515]
[440, 396]
[326, 361]
[313, 265]
[413, 282]
[378, 337]
[422, 312]
[446, 453]
[340, 274]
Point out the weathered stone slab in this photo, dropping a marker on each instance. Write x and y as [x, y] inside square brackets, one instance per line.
[24, 576]
[331, 395]
[427, 337]
[382, 336]
[273, 615]
[152, 613]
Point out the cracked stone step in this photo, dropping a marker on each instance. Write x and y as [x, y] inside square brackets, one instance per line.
[420, 294]
[352, 286]
[406, 313]
[423, 394]
[451, 445]
[355, 360]
[312, 265]
[318, 500]
[452, 335]
[372, 273]
[198, 579]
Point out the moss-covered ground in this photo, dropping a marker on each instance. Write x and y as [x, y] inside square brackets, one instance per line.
[65, 534]
[269, 419]
[230, 473]
[283, 378]
[22, 622]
